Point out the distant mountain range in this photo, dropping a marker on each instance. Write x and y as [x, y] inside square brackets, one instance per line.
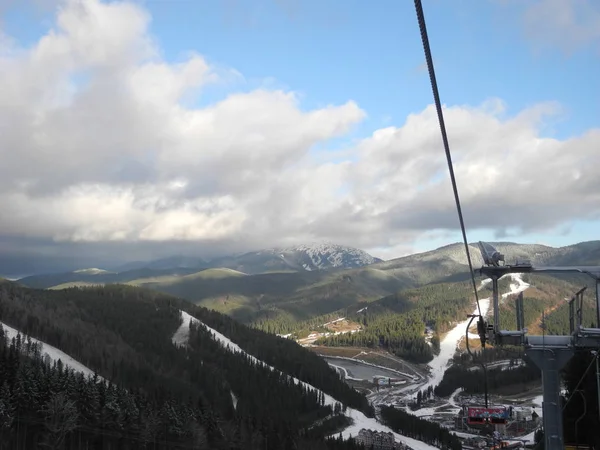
[306, 281]
[297, 258]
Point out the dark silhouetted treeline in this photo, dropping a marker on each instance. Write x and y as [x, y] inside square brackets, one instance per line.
[472, 380]
[159, 396]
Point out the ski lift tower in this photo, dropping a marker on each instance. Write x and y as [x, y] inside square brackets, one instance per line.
[549, 353]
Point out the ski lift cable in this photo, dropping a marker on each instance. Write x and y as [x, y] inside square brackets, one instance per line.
[442, 124]
[440, 114]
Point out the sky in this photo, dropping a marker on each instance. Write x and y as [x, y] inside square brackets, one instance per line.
[149, 128]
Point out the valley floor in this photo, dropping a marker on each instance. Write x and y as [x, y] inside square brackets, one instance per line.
[361, 365]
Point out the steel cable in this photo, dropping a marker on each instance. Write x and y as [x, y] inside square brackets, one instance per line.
[440, 114]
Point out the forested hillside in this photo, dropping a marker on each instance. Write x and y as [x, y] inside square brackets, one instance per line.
[543, 303]
[422, 429]
[546, 297]
[97, 277]
[397, 322]
[279, 301]
[472, 381]
[160, 395]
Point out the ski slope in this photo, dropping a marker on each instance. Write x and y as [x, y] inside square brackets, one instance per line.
[53, 353]
[181, 337]
[440, 363]
[449, 344]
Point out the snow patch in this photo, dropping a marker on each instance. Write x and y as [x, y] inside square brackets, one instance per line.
[334, 321]
[53, 353]
[91, 271]
[452, 399]
[518, 286]
[182, 335]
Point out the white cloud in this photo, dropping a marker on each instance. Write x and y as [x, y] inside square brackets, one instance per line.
[566, 24]
[98, 145]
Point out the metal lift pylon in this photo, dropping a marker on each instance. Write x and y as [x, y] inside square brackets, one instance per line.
[549, 353]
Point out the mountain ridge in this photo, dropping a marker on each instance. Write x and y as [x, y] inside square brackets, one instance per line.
[309, 257]
[299, 295]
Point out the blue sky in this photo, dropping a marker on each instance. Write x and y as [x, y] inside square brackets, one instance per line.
[338, 50]
[330, 52]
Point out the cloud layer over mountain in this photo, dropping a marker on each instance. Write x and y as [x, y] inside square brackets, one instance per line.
[101, 143]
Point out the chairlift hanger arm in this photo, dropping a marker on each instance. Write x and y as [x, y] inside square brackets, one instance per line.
[499, 271]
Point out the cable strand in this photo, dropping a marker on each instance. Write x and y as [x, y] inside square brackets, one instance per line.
[438, 107]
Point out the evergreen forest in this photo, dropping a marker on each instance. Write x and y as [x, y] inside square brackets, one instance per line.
[148, 393]
[421, 429]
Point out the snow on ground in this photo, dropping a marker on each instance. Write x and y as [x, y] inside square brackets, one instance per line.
[181, 337]
[528, 439]
[518, 286]
[448, 346]
[423, 412]
[334, 321]
[91, 271]
[465, 435]
[54, 353]
[362, 421]
[503, 365]
[439, 363]
[452, 399]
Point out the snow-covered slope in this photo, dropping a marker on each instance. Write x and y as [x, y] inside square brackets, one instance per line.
[181, 337]
[451, 340]
[448, 345]
[517, 286]
[327, 256]
[298, 258]
[53, 353]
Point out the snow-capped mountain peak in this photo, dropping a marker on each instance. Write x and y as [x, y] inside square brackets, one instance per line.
[321, 256]
[91, 271]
